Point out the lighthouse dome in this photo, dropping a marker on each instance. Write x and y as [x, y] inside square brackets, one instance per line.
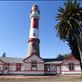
[35, 6]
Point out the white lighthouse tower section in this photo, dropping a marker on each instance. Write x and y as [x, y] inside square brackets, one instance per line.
[34, 33]
[35, 14]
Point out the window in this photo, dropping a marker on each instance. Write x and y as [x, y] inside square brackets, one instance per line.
[71, 66]
[47, 68]
[34, 34]
[6, 67]
[34, 64]
[18, 67]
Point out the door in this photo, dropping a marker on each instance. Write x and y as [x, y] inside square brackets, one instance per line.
[58, 69]
[6, 69]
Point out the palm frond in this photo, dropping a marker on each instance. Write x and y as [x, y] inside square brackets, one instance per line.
[72, 16]
[61, 10]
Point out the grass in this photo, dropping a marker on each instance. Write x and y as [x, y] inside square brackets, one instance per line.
[80, 77]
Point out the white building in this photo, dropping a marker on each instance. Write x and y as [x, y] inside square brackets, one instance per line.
[34, 64]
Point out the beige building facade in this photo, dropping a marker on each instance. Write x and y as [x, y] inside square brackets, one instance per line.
[34, 65]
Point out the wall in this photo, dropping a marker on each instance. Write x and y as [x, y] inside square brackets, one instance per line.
[40, 65]
[54, 69]
[65, 67]
[12, 69]
[1, 67]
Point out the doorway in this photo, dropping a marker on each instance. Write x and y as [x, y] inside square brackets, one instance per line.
[6, 69]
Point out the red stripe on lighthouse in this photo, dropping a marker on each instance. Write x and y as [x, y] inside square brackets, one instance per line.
[34, 39]
[35, 23]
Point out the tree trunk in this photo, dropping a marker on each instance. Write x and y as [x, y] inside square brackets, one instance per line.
[80, 51]
[78, 38]
[81, 67]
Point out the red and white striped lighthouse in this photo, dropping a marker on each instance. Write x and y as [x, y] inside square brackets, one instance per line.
[33, 42]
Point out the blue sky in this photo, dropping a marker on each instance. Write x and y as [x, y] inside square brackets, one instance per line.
[15, 26]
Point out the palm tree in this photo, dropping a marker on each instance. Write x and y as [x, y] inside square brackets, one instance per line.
[74, 48]
[69, 26]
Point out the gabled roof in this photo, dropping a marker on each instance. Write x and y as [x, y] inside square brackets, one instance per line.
[54, 62]
[30, 56]
[52, 59]
[1, 61]
[11, 60]
[70, 57]
[46, 60]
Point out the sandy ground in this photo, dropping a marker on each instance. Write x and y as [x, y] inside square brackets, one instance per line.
[68, 78]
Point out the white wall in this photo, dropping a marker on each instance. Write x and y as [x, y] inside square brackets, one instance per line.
[34, 72]
[27, 66]
[40, 65]
[79, 72]
[12, 69]
[65, 67]
[1, 67]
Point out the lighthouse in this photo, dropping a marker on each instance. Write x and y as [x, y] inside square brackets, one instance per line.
[33, 42]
